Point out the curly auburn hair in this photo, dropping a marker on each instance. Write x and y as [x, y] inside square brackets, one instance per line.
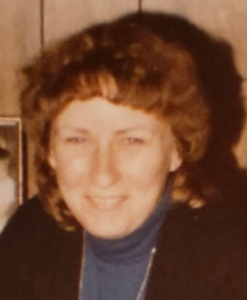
[127, 65]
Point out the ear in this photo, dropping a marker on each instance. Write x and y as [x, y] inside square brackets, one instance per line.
[176, 160]
[52, 160]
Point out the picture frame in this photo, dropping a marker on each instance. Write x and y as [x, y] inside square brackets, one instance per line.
[11, 142]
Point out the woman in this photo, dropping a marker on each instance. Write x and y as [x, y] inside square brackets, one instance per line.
[119, 119]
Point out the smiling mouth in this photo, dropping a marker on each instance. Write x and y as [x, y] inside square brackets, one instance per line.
[105, 203]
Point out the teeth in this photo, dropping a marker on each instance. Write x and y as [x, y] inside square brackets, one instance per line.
[105, 203]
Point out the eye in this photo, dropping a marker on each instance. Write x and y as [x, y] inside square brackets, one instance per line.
[75, 140]
[134, 141]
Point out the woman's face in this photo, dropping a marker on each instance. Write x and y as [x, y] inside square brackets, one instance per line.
[111, 163]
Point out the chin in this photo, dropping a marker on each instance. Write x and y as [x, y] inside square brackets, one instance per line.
[108, 233]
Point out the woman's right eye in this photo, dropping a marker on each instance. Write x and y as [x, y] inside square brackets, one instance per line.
[75, 140]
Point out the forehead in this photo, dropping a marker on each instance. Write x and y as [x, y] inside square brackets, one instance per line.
[100, 113]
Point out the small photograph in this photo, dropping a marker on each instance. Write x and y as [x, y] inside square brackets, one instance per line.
[10, 167]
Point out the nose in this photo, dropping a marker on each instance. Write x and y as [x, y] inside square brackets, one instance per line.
[105, 171]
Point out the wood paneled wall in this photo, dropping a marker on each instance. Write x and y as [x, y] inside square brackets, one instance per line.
[27, 24]
[63, 17]
[20, 39]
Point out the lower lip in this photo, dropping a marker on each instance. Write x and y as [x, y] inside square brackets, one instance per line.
[106, 204]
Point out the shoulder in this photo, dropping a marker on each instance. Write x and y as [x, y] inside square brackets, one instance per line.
[31, 230]
[225, 217]
[214, 228]
[207, 248]
[220, 258]
[27, 220]
[32, 249]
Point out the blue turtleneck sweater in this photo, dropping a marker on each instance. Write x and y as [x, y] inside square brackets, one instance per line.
[115, 269]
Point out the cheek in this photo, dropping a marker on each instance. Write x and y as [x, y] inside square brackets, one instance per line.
[70, 170]
[147, 168]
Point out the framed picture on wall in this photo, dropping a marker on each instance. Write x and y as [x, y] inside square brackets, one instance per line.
[11, 162]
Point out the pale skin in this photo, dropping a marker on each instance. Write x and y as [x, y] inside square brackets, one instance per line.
[112, 163]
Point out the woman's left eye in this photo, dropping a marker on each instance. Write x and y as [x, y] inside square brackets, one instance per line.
[134, 141]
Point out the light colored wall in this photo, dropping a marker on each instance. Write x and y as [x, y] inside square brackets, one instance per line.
[19, 31]
[63, 17]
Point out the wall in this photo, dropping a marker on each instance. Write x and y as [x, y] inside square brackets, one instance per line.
[20, 39]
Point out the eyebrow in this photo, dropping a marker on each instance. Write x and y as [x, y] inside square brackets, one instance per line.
[126, 130]
[88, 132]
[71, 129]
